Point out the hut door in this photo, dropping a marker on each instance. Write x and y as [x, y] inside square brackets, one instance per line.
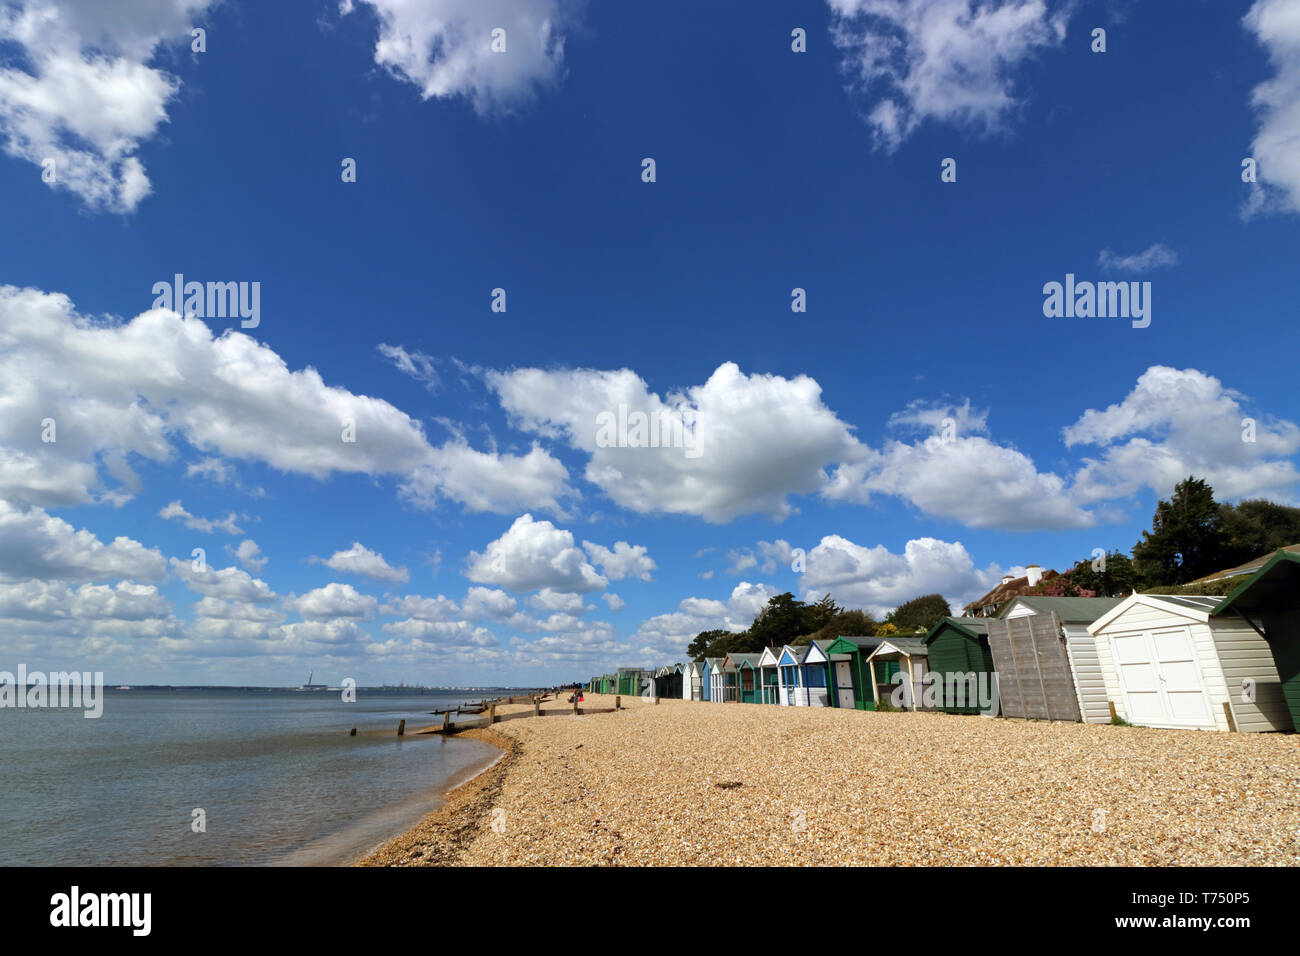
[843, 685]
[1161, 678]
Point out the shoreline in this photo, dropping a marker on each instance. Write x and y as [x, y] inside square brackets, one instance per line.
[441, 837]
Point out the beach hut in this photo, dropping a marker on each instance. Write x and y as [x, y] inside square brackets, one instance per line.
[697, 686]
[668, 681]
[895, 655]
[1075, 614]
[768, 678]
[1169, 661]
[633, 680]
[688, 688]
[802, 676]
[1269, 601]
[850, 685]
[715, 679]
[742, 677]
[962, 665]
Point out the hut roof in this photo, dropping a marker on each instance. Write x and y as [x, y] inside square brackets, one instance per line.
[1069, 610]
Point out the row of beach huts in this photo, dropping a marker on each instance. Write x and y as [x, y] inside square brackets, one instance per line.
[1228, 663]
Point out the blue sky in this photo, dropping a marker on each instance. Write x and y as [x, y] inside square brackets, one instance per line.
[922, 426]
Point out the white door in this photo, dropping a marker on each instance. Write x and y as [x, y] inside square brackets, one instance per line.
[1160, 677]
[843, 685]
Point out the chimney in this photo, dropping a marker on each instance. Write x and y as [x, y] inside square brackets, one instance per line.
[1034, 573]
[1008, 578]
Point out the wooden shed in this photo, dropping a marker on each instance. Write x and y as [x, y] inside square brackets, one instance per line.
[1269, 601]
[962, 665]
[1074, 614]
[894, 655]
[1169, 661]
[849, 677]
[768, 677]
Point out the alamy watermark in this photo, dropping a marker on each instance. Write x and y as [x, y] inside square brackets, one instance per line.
[212, 300]
[58, 690]
[663, 429]
[1102, 300]
[951, 689]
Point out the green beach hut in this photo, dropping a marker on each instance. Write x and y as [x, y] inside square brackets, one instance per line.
[1269, 601]
[850, 680]
[959, 651]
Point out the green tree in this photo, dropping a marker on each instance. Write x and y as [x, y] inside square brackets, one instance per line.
[1183, 543]
[698, 648]
[782, 620]
[1253, 528]
[920, 613]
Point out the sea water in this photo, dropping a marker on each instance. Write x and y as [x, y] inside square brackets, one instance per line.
[217, 776]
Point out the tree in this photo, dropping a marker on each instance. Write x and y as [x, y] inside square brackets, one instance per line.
[1253, 528]
[920, 613]
[699, 648]
[1111, 576]
[1183, 543]
[784, 619]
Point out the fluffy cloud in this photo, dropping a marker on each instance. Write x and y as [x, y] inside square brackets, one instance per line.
[560, 601]
[34, 544]
[206, 525]
[1180, 422]
[615, 602]
[444, 47]
[733, 474]
[532, 555]
[333, 601]
[624, 561]
[878, 580]
[967, 478]
[359, 559]
[1276, 25]
[669, 634]
[54, 601]
[249, 555]
[946, 60]
[114, 390]
[84, 95]
[1153, 257]
[229, 584]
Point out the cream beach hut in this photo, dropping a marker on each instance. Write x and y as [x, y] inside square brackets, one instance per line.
[1167, 661]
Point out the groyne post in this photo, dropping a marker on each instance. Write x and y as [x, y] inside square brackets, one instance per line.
[401, 728]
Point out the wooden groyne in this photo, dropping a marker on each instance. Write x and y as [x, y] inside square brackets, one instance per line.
[489, 709]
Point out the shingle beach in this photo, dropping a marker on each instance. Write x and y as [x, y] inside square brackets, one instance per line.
[684, 783]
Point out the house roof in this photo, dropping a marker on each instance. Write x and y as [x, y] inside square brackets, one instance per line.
[738, 659]
[1069, 610]
[1275, 581]
[770, 652]
[1005, 591]
[971, 627]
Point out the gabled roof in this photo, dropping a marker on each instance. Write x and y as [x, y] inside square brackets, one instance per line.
[1277, 580]
[817, 653]
[844, 644]
[972, 628]
[1069, 610]
[735, 660]
[796, 653]
[1193, 606]
[910, 646]
[769, 657]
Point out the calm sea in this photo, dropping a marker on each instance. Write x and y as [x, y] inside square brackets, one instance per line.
[278, 777]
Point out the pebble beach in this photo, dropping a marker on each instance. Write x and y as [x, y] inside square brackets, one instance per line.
[689, 783]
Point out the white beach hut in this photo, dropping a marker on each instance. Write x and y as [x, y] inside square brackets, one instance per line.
[1167, 662]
